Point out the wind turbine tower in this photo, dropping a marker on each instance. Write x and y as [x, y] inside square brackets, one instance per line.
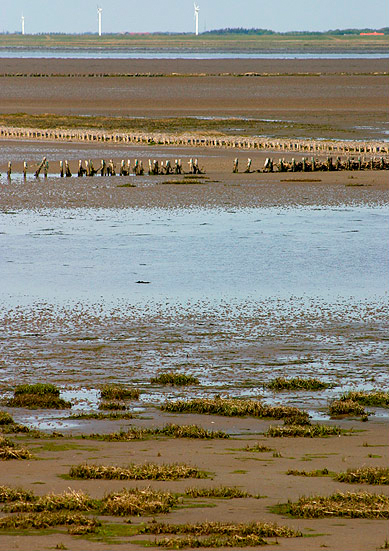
[99, 12]
[196, 15]
[23, 24]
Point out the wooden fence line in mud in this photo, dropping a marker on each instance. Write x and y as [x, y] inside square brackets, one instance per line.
[228, 142]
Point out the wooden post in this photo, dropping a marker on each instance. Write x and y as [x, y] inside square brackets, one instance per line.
[178, 166]
[68, 174]
[248, 169]
[9, 170]
[38, 170]
[236, 165]
[103, 168]
[81, 170]
[61, 172]
[45, 169]
[24, 170]
[92, 170]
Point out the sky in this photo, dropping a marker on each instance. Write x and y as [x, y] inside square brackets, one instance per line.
[178, 15]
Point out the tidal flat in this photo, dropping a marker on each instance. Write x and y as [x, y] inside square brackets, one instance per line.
[231, 279]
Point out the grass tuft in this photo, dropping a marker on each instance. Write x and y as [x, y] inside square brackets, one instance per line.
[175, 379]
[8, 494]
[137, 502]
[295, 431]
[257, 448]
[41, 521]
[45, 396]
[317, 472]
[219, 492]
[114, 406]
[5, 419]
[169, 430]
[346, 407]
[374, 398]
[119, 392]
[39, 389]
[297, 383]
[211, 541]
[348, 505]
[145, 471]
[112, 415]
[262, 529]
[233, 408]
[67, 501]
[365, 475]
[9, 451]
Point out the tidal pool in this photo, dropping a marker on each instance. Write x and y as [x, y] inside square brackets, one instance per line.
[190, 254]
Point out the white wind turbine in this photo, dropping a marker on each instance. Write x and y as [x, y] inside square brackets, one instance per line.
[99, 12]
[196, 15]
[22, 24]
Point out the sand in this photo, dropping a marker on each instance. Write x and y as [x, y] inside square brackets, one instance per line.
[258, 473]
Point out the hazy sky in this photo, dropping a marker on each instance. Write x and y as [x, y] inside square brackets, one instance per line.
[177, 15]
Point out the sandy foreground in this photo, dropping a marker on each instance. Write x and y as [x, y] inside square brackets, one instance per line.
[78, 345]
[228, 464]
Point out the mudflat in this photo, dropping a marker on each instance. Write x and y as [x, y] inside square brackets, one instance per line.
[337, 99]
[118, 279]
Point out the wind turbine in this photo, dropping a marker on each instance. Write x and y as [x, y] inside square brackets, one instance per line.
[22, 24]
[196, 15]
[99, 12]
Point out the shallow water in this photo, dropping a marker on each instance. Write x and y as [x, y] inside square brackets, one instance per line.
[125, 54]
[190, 254]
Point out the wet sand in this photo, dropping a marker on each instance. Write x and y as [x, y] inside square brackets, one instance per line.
[228, 464]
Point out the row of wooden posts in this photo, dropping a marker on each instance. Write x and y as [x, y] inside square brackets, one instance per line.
[109, 168]
[261, 143]
[315, 165]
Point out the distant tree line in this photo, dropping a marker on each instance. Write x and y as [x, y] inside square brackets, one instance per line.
[340, 32]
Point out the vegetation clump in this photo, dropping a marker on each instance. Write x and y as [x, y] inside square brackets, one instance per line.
[5, 419]
[220, 492]
[295, 431]
[175, 379]
[111, 415]
[8, 450]
[137, 502]
[189, 431]
[232, 408]
[257, 448]
[374, 398]
[365, 475]
[261, 529]
[67, 501]
[170, 430]
[114, 406]
[77, 523]
[8, 494]
[119, 392]
[317, 472]
[296, 383]
[348, 505]
[145, 471]
[122, 436]
[45, 396]
[346, 407]
[251, 540]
